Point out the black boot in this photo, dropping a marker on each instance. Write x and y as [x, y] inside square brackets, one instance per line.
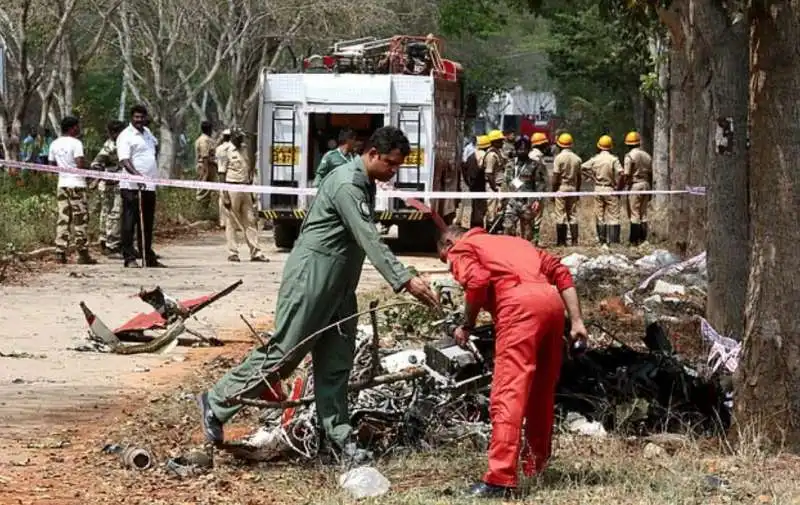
[561, 235]
[636, 232]
[484, 490]
[212, 427]
[601, 233]
[643, 230]
[573, 231]
[85, 259]
[614, 233]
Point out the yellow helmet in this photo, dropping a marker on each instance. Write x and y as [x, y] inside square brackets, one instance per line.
[564, 140]
[483, 142]
[605, 143]
[539, 138]
[495, 135]
[633, 139]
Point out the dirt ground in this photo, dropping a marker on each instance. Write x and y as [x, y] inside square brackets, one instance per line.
[58, 408]
[52, 394]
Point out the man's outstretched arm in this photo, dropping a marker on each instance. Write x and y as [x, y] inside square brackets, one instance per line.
[351, 204]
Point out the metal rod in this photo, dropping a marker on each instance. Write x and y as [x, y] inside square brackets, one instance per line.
[253, 332]
[375, 361]
[408, 374]
[272, 371]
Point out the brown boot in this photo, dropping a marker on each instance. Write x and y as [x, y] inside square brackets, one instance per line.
[85, 259]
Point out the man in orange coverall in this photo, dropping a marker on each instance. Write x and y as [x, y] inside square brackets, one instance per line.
[525, 290]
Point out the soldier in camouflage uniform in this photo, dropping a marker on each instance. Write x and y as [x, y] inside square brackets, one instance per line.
[540, 147]
[110, 198]
[520, 178]
[66, 152]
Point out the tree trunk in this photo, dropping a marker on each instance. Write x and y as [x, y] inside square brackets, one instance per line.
[681, 94]
[690, 140]
[123, 95]
[768, 387]
[727, 199]
[661, 131]
[168, 150]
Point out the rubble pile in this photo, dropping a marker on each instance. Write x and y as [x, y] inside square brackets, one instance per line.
[420, 414]
[638, 392]
[673, 289]
[619, 387]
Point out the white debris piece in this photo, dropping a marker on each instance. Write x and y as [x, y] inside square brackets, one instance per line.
[605, 263]
[266, 444]
[403, 360]
[652, 300]
[364, 482]
[666, 288]
[655, 260]
[724, 350]
[364, 330]
[576, 423]
[574, 261]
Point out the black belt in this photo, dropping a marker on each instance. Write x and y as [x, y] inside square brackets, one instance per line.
[244, 183]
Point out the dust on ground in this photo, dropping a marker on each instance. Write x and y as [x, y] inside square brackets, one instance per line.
[58, 411]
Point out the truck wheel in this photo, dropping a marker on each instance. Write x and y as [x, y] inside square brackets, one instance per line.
[417, 236]
[285, 233]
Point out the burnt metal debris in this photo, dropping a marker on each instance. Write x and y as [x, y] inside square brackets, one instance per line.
[169, 318]
[422, 398]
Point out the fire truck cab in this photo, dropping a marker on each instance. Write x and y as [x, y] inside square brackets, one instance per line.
[362, 85]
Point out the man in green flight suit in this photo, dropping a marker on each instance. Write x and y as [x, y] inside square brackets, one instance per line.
[336, 157]
[319, 288]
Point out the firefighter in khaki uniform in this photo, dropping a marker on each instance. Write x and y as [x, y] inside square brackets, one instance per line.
[495, 170]
[239, 205]
[566, 178]
[604, 168]
[637, 175]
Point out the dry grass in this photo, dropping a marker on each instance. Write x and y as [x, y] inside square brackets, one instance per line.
[584, 470]
[29, 210]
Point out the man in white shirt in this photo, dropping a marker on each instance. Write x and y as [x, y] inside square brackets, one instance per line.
[136, 149]
[67, 152]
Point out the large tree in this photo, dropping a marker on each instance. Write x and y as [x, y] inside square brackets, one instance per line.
[31, 38]
[768, 394]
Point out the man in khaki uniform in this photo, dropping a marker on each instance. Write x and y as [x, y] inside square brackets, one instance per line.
[495, 170]
[566, 178]
[604, 168]
[473, 212]
[220, 156]
[637, 176]
[110, 197]
[237, 169]
[204, 154]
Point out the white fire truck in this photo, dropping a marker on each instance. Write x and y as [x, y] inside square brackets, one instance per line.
[362, 85]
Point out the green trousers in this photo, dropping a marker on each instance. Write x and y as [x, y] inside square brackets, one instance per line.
[310, 298]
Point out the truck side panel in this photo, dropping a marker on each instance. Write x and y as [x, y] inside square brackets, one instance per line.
[447, 108]
[281, 139]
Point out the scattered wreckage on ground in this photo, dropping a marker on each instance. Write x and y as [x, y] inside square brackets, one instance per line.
[423, 394]
[168, 318]
[407, 397]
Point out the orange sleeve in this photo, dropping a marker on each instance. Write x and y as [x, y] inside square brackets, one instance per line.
[555, 271]
[469, 272]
